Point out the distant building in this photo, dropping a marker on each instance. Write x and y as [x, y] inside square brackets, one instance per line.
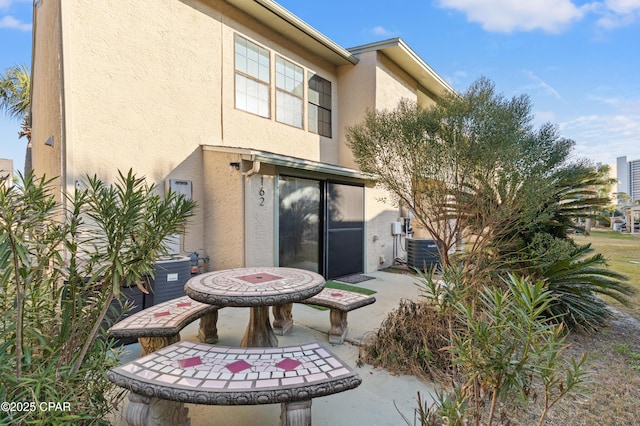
[629, 177]
[6, 170]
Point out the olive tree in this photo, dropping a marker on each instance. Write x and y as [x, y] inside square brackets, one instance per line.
[473, 168]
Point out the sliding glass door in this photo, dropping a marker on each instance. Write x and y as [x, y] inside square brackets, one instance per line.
[321, 226]
[300, 220]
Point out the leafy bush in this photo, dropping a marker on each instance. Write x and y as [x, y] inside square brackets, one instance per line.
[60, 270]
[502, 353]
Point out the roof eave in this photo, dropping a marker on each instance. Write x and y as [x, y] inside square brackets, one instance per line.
[284, 22]
[400, 53]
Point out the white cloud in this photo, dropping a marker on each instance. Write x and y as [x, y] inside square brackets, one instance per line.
[5, 4]
[381, 31]
[623, 6]
[602, 138]
[540, 85]
[508, 15]
[457, 79]
[618, 13]
[11, 22]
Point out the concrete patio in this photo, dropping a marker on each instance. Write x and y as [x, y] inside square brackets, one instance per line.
[380, 399]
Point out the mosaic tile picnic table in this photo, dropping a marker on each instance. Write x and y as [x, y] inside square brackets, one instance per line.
[257, 288]
[215, 375]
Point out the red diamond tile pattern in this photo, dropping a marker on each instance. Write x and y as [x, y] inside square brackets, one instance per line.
[288, 364]
[238, 366]
[164, 314]
[189, 362]
[234, 368]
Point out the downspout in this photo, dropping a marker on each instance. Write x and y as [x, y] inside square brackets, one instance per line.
[254, 169]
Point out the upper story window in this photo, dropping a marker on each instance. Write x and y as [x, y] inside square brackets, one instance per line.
[320, 106]
[289, 92]
[252, 77]
[254, 90]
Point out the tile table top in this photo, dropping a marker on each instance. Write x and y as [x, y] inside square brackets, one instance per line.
[217, 375]
[260, 286]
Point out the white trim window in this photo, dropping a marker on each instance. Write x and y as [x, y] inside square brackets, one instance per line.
[252, 65]
[289, 92]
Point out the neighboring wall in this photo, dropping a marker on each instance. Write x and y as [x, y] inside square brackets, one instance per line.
[375, 83]
[47, 136]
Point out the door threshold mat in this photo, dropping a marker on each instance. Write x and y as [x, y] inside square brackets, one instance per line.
[354, 279]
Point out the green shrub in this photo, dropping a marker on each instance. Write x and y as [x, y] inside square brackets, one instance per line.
[503, 351]
[60, 269]
[577, 280]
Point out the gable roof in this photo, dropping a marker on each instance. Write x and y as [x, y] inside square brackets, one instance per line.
[400, 53]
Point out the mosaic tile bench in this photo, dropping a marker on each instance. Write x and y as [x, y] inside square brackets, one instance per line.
[160, 325]
[340, 303]
[186, 372]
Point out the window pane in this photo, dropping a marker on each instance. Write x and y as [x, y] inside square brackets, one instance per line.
[313, 118]
[252, 77]
[289, 76]
[289, 102]
[251, 59]
[320, 104]
[288, 109]
[252, 96]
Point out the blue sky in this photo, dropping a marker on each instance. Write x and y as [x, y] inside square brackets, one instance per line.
[579, 61]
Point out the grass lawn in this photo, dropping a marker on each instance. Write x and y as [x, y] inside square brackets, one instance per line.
[612, 396]
[623, 255]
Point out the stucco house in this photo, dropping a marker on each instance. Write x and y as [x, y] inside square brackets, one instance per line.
[237, 103]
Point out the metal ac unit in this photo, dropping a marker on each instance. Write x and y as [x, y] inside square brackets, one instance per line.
[422, 253]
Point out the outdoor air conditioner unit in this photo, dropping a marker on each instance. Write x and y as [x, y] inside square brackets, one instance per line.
[422, 252]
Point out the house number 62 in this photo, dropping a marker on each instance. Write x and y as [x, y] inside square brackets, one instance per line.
[261, 192]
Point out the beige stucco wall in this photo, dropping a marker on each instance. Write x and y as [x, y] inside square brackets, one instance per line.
[144, 90]
[379, 214]
[392, 84]
[260, 216]
[356, 86]
[223, 210]
[46, 108]
[245, 129]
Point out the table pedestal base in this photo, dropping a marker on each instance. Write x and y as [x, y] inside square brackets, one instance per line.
[295, 413]
[146, 411]
[208, 330]
[282, 318]
[259, 332]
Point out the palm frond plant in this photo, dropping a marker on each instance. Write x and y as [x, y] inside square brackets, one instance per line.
[578, 281]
